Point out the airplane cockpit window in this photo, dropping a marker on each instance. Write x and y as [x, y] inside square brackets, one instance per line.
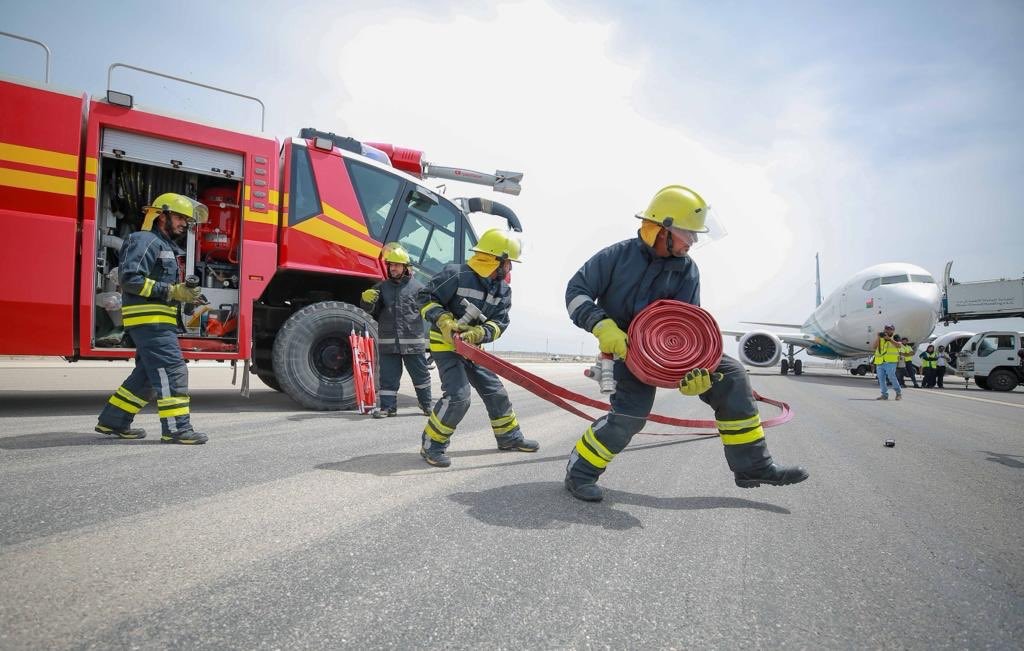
[894, 280]
[918, 278]
[872, 283]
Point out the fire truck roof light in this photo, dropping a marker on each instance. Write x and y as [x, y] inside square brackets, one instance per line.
[119, 99]
[323, 143]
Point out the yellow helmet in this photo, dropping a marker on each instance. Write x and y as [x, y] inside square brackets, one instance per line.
[675, 206]
[190, 209]
[501, 244]
[395, 252]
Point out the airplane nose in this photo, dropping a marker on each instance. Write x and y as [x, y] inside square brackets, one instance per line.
[919, 310]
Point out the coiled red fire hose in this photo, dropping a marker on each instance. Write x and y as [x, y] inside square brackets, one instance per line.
[688, 333]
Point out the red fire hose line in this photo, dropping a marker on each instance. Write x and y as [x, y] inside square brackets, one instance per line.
[667, 339]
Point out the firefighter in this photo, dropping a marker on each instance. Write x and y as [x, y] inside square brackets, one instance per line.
[887, 354]
[481, 281]
[393, 303]
[604, 296]
[150, 283]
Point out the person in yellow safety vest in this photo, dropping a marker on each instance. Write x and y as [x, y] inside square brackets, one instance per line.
[887, 353]
[929, 366]
[152, 294]
[907, 352]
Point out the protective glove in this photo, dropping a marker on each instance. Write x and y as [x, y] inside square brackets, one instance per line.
[698, 381]
[473, 334]
[370, 296]
[610, 338]
[447, 324]
[183, 293]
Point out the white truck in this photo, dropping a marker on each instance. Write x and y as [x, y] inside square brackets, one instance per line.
[993, 359]
[980, 299]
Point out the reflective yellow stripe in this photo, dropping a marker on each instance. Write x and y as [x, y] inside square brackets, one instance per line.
[170, 413]
[429, 306]
[121, 404]
[90, 165]
[437, 342]
[734, 425]
[755, 434]
[173, 400]
[157, 308]
[502, 420]
[591, 439]
[147, 287]
[125, 394]
[36, 181]
[497, 330]
[145, 320]
[439, 426]
[498, 431]
[585, 452]
[434, 435]
[41, 157]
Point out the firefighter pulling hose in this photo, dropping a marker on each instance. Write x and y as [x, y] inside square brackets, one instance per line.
[607, 294]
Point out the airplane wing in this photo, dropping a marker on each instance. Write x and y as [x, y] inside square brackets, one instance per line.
[774, 325]
[789, 338]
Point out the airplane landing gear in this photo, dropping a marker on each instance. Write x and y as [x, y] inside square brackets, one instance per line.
[784, 368]
[789, 363]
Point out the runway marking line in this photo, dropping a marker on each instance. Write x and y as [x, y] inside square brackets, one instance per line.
[994, 402]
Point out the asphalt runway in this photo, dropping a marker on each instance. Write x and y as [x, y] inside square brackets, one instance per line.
[297, 529]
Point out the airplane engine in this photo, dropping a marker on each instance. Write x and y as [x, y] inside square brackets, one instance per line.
[759, 348]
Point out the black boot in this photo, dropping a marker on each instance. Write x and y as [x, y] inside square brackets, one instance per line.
[129, 433]
[434, 453]
[588, 492]
[774, 475]
[190, 437]
[517, 444]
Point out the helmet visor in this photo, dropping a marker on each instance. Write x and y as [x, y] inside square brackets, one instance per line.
[715, 231]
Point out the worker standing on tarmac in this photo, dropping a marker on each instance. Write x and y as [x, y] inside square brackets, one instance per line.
[481, 282]
[907, 354]
[393, 303]
[929, 366]
[149, 277]
[887, 355]
[604, 296]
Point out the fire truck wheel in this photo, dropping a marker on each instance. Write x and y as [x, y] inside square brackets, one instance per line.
[312, 357]
[268, 378]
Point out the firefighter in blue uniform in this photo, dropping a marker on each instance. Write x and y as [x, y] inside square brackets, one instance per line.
[393, 303]
[604, 296]
[152, 292]
[481, 282]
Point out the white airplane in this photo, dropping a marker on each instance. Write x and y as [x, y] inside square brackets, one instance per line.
[844, 325]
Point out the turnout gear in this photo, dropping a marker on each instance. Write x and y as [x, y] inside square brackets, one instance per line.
[616, 284]
[370, 296]
[182, 293]
[148, 271]
[773, 475]
[188, 437]
[442, 299]
[193, 211]
[393, 303]
[697, 382]
[611, 339]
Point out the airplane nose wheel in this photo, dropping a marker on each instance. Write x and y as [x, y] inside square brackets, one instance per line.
[798, 367]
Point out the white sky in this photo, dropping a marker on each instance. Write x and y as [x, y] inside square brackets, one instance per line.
[871, 136]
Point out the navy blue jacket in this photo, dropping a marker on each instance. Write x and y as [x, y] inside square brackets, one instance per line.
[149, 266]
[397, 311]
[445, 291]
[621, 280]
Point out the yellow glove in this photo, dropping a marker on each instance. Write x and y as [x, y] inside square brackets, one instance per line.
[370, 296]
[610, 338]
[698, 381]
[473, 334]
[447, 324]
[183, 293]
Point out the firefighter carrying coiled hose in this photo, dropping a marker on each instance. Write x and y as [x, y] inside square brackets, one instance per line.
[605, 296]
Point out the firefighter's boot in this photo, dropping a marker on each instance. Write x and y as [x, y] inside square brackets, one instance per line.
[581, 479]
[435, 453]
[517, 443]
[773, 475]
[126, 433]
[188, 437]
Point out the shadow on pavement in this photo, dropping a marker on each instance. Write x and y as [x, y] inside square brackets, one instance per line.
[546, 505]
[66, 439]
[79, 403]
[390, 464]
[1008, 460]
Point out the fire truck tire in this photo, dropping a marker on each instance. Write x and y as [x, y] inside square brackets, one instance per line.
[268, 379]
[312, 357]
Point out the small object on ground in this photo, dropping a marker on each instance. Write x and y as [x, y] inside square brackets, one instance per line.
[890, 443]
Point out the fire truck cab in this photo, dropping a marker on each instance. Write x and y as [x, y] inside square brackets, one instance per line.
[294, 234]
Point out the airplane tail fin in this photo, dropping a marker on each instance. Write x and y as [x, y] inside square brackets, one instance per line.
[817, 281]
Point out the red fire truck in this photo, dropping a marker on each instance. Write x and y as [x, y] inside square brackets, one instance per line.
[294, 235]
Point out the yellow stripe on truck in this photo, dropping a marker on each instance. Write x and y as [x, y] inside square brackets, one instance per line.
[40, 157]
[320, 229]
[39, 182]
